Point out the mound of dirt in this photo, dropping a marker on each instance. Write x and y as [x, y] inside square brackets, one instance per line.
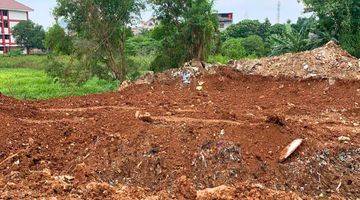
[166, 138]
[329, 61]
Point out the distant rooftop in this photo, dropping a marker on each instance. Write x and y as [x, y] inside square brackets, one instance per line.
[13, 5]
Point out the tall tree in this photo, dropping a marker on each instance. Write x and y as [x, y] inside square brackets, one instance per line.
[58, 41]
[188, 23]
[104, 23]
[29, 35]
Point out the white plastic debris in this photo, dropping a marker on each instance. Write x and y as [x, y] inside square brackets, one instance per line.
[186, 75]
[290, 149]
[344, 139]
[222, 132]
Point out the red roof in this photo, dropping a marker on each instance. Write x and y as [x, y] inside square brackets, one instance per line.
[13, 5]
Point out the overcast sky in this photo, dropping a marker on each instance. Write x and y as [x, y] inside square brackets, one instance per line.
[250, 9]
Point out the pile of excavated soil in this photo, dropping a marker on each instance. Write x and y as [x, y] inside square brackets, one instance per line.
[220, 137]
[329, 61]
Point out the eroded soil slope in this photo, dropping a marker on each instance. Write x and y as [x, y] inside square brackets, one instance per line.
[229, 133]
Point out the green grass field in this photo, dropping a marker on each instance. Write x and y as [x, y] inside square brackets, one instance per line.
[24, 61]
[26, 83]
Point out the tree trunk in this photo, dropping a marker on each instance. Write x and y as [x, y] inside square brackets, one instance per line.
[123, 64]
[111, 62]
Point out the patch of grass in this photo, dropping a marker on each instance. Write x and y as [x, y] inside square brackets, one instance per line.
[25, 83]
[218, 59]
[25, 61]
[28, 61]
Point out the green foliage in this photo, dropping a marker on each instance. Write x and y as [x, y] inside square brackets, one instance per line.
[351, 43]
[294, 40]
[253, 45]
[243, 29]
[28, 61]
[142, 45]
[17, 52]
[218, 58]
[186, 31]
[340, 19]
[35, 84]
[74, 70]
[104, 23]
[58, 41]
[233, 49]
[29, 35]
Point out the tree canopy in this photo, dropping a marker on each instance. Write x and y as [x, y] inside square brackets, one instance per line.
[104, 25]
[187, 27]
[340, 19]
[29, 35]
[58, 41]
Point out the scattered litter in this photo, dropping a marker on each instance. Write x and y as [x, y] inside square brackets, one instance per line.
[290, 149]
[186, 76]
[344, 139]
[124, 85]
[222, 132]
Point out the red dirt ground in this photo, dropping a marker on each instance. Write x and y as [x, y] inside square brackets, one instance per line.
[93, 147]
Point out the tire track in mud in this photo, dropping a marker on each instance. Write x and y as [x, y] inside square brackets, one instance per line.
[327, 121]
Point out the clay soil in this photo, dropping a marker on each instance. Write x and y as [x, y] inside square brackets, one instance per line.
[222, 142]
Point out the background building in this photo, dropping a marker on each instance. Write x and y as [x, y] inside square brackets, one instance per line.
[11, 13]
[144, 26]
[225, 20]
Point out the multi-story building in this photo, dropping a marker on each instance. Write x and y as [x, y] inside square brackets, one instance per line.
[11, 13]
[225, 20]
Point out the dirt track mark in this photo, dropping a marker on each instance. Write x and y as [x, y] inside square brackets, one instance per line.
[44, 121]
[195, 120]
[84, 109]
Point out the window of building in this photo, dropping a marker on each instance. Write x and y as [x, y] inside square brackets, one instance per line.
[1, 48]
[6, 24]
[5, 13]
[222, 25]
[7, 37]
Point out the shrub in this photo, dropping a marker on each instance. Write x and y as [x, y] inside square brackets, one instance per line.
[218, 58]
[141, 45]
[233, 49]
[13, 53]
[253, 45]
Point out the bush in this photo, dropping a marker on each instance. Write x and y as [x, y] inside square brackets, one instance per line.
[218, 58]
[58, 41]
[233, 49]
[13, 53]
[254, 45]
[67, 71]
[141, 45]
[351, 43]
[173, 58]
[138, 65]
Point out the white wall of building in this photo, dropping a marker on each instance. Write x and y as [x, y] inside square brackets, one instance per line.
[17, 15]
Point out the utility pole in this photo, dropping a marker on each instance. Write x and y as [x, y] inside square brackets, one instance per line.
[278, 11]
